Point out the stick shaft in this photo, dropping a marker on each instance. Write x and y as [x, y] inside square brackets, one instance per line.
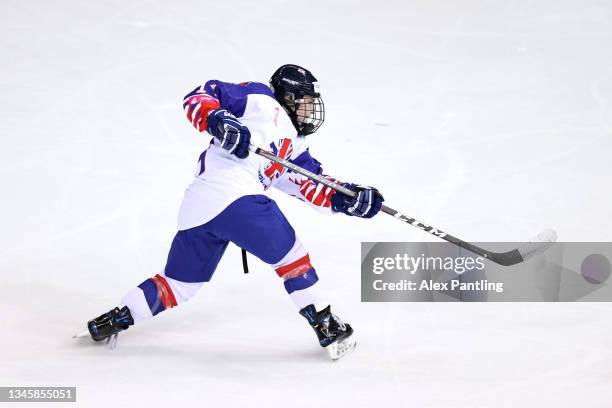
[506, 258]
[436, 232]
[338, 187]
[302, 171]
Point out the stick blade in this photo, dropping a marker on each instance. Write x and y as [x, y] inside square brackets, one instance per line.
[538, 244]
[535, 246]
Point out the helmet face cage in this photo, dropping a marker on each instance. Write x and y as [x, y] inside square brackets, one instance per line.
[307, 114]
[296, 89]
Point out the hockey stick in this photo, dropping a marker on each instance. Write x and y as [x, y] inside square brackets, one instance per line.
[536, 245]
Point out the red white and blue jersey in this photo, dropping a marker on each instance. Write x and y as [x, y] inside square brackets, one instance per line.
[221, 178]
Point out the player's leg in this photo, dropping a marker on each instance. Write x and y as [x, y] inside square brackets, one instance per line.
[299, 275]
[300, 282]
[256, 224]
[192, 260]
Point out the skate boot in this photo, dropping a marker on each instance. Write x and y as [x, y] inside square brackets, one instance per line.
[107, 326]
[336, 336]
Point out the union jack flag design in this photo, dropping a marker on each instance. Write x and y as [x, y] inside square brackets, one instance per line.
[197, 104]
[317, 193]
[275, 170]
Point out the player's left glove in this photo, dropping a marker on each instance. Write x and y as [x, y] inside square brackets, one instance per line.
[233, 135]
[365, 204]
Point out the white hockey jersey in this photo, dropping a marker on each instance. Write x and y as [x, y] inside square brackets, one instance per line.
[221, 178]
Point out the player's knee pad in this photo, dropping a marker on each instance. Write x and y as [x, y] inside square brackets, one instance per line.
[296, 270]
[296, 262]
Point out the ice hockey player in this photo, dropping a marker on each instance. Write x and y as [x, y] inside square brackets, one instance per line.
[224, 202]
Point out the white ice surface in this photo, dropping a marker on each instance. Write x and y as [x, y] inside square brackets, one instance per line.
[489, 119]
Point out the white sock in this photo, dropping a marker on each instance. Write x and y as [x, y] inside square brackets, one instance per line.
[136, 302]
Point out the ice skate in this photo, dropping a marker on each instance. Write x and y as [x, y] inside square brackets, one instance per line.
[336, 336]
[107, 326]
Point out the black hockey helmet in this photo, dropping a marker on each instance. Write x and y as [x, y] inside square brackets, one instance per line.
[297, 90]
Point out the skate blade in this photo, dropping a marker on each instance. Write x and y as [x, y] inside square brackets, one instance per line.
[84, 333]
[111, 342]
[341, 348]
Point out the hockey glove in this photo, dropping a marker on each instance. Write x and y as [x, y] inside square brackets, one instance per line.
[365, 204]
[233, 135]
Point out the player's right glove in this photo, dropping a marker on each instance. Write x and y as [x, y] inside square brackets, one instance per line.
[365, 204]
[233, 135]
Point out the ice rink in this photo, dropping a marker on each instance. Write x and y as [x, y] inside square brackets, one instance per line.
[489, 119]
